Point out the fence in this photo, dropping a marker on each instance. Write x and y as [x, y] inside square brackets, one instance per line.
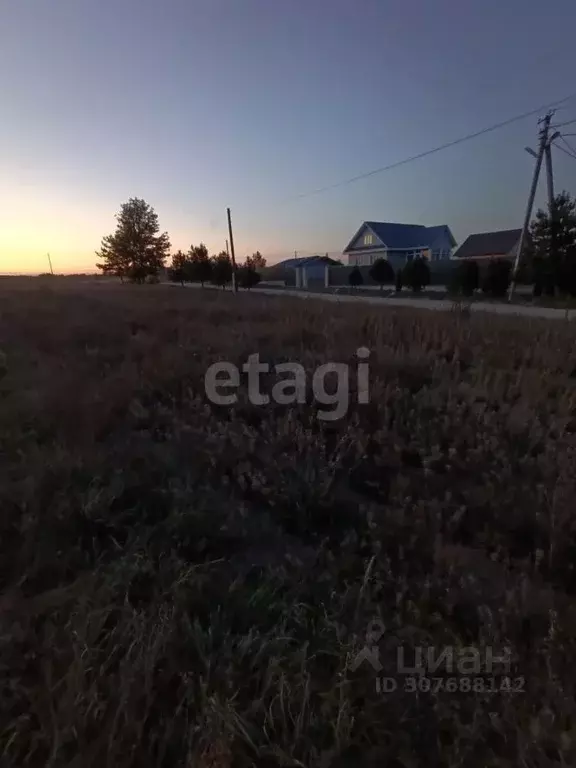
[325, 276]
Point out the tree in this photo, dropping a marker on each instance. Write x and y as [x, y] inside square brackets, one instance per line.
[135, 250]
[221, 269]
[248, 277]
[551, 253]
[542, 276]
[355, 278]
[497, 278]
[465, 278]
[177, 272]
[381, 272]
[416, 274]
[566, 280]
[399, 281]
[199, 267]
[257, 261]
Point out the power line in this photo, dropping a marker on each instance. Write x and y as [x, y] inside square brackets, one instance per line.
[565, 151]
[440, 148]
[568, 122]
[570, 147]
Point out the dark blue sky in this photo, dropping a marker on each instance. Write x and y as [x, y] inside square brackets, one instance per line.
[200, 104]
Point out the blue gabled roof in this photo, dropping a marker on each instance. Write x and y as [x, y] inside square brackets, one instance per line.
[398, 235]
[435, 232]
[402, 235]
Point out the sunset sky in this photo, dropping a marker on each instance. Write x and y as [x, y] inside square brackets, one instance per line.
[196, 105]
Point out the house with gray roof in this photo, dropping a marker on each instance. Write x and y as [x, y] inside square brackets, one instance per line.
[502, 244]
[399, 243]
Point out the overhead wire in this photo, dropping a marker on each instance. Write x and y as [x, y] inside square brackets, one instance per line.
[440, 148]
[568, 122]
[570, 147]
[566, 152]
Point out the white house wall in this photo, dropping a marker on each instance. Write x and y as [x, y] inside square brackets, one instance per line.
[359, 241]
[365, 259]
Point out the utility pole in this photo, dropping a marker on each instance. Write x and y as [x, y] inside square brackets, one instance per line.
[541, 149]
[50, 263]
[234, 286]
[549, 175]
[550, 186]
[295, 254]
[551, 197]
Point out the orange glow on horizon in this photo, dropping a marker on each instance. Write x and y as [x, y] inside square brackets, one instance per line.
[37, 221]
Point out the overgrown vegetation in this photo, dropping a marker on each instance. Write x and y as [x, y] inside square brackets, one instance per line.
[187, 585]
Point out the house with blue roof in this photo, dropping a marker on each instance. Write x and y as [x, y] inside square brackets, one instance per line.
[398, 243]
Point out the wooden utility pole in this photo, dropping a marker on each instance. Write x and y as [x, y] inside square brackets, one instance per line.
[541, 149]
[234, 286]
[50, 264]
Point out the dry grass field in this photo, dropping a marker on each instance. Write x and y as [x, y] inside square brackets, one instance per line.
[183, 584]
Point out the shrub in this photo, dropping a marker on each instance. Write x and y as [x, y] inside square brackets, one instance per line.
[416, 274]
[497, 279]
[465, 278]
[381, 272]
[137, 273]
[221, 269]
[566, 278]
[248, 277]
[355, 278]
[542, 277]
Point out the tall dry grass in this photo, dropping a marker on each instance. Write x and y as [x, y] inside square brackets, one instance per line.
[185, 585]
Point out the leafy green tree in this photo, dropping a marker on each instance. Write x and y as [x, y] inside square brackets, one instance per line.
[355, 278]
[416, 274]
[136, 249]
[551, 254]
[497, 278]
[381, 272]
[177, 271]
[199, 266]
[221, 269]
[247, 275]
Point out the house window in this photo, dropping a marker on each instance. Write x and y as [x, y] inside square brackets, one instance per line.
[368, 240]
